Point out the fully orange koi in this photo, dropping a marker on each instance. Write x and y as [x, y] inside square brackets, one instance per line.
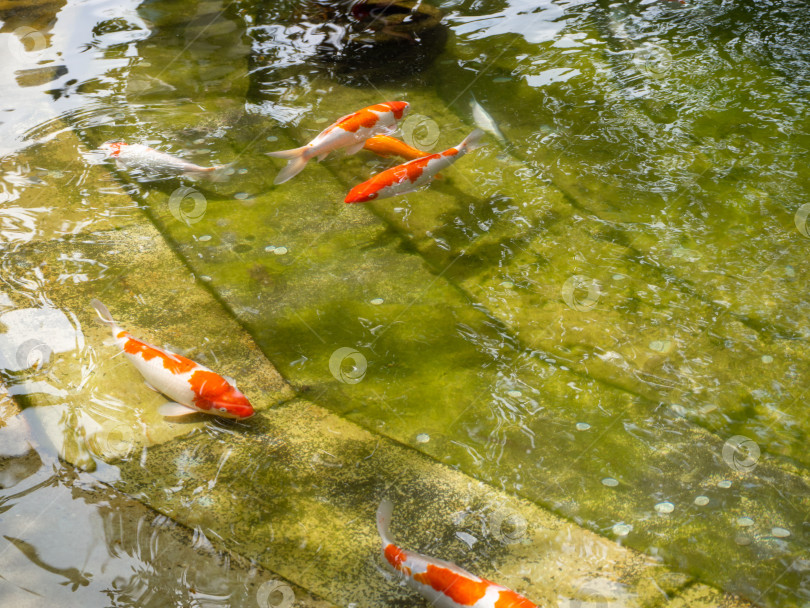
[350, 132]
[384, 145]
[412, 175]
[443, 584]
[193, 387]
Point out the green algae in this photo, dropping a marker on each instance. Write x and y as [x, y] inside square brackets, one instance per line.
[474, 345]
[312, 481]
[315, 299]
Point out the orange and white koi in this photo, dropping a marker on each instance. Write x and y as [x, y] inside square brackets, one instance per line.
[138, 156]
[193, 387]
[443, 584]
[385, 145]
[350, 132]
[412, 175]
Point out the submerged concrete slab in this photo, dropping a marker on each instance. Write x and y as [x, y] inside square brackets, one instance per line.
[506, 416]
[61, 357]
[297, 490]
[294, 488]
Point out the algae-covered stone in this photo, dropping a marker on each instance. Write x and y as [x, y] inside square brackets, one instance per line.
[104, 406]
[315, 301]
[109, 549]
[297, 492]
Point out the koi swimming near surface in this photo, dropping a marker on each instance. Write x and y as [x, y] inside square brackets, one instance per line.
[412, 175]
[193, 387]
[149, 160]
[443, 584]
[350, 132]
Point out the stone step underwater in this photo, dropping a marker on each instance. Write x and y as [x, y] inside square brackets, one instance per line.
[294, 488]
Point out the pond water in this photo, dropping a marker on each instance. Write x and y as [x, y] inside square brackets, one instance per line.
[577, 362]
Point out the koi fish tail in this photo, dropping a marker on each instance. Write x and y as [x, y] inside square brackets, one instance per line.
[102, 311]
[384, 512]
[472, 141]
[298, 160]
[218, 173]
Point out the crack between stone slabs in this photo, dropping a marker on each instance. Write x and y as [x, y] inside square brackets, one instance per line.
[783, 463]
[316, 399]
[498, 323]
[669, 276]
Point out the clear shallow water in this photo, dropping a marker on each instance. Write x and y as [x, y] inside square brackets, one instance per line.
[610, 295]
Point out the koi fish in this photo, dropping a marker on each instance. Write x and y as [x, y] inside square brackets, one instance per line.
[412, 175]
[138, 156]
[385, 145]
[443, 584]
[350, 132]
[484, 121]
[193, 387]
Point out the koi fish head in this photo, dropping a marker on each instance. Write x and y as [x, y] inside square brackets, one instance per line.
[217, 396]
[112, 148]
[361, 193]
[234, 405]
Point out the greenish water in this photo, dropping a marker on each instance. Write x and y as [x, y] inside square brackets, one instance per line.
[583, 316]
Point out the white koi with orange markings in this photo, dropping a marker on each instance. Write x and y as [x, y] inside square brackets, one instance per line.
[138, 156]
[443, 584]
[412, 175]
[350, 132]
[193, 387]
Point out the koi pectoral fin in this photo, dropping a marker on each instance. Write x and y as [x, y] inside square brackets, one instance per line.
[355, 148]
[173, 410]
